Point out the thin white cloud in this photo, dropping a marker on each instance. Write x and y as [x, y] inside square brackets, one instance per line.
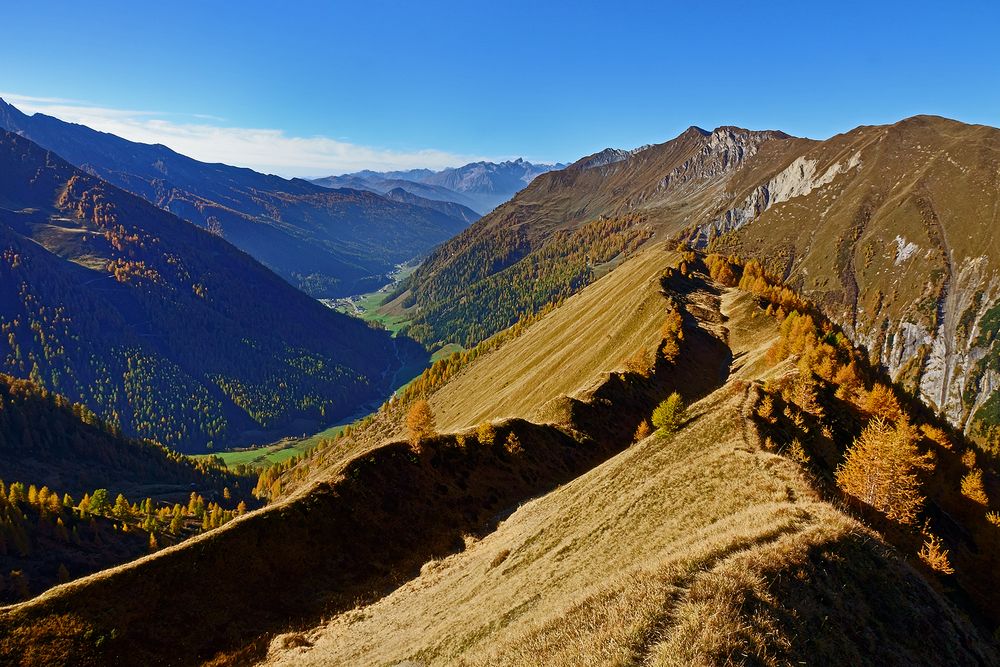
[261, 149]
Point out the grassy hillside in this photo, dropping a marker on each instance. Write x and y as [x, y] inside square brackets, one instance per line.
[701, 546]
[290, 562]
[694, 549]
[887, 227]
[538, 246]
[161, 329]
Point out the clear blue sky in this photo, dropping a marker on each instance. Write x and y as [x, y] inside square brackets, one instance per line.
[546, 80]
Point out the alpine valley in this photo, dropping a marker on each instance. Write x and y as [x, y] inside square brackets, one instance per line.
[728, 399]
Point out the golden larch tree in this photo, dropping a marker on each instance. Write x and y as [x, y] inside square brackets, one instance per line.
[420, 421]
[881, 469]
[881, 402]
[642, 431]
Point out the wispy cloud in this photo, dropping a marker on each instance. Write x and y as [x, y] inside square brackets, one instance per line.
[209, 139]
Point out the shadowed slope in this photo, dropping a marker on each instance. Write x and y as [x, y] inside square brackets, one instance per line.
[698, 548]
[158, 327]
[368, 527]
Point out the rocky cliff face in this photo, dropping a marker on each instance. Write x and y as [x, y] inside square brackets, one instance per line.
[952, 366]
[889, 229]
[797, 180]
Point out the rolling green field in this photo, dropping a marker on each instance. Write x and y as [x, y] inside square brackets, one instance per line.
[261, 457]
[446, 351]
[368, 306]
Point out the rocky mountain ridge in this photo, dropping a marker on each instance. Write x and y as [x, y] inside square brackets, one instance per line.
[480, 185]
[888, 227]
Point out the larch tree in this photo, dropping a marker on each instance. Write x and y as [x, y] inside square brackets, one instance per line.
[486, 433]
[671, 334]
[881, 470]
[642, 431]
[881, 402]
[420, 421]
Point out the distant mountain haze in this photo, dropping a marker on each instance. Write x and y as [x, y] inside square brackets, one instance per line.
[328, 243]
[480, 185]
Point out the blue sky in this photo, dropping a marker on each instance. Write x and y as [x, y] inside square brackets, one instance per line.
[311, 88]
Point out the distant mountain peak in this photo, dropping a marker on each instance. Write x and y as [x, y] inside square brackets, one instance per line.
[327, 243]
[481, 185]
[604, 158]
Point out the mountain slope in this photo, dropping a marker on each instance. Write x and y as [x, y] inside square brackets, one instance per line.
[503, 265]
[451, 209]
[890, 229]
[158, 327]
[64, 452]
[887, 227]
[629, 562]
[329, 243]
[47, 441]
[683, 548]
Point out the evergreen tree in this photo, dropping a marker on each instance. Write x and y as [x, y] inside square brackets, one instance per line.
[99, 502]
[669, 414]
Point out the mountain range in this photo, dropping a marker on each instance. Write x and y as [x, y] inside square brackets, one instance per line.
[726, 399]
[481, 186]
[883, 226]
[329, 243]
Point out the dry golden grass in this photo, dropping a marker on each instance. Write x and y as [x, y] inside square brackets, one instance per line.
[694, 548]
[565, 352]
[698, 548]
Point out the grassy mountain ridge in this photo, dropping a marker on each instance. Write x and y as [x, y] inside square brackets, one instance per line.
[376, 487]
[160, 328]
[682, 548]
[329, 243]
